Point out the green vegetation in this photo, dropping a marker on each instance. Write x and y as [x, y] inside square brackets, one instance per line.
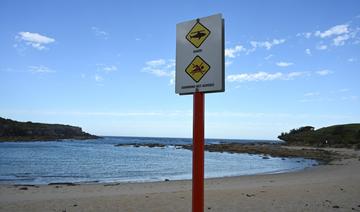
[347, 135]
[28, 131]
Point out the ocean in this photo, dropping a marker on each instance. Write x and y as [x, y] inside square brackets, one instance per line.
[100, 161]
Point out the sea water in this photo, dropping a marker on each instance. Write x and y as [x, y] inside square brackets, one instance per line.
[100, 160]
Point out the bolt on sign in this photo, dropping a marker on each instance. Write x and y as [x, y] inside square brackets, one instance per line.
[200, 55]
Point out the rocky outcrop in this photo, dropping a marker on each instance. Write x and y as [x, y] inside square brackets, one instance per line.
[11, 130]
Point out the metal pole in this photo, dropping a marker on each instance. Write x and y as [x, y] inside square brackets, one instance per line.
[198, 153]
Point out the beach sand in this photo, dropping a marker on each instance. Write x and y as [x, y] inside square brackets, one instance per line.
[333, 187]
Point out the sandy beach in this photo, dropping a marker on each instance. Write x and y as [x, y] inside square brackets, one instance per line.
[332, 187]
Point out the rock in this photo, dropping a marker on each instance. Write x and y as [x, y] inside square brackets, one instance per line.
[336, 206]
[265, 157]
[23, 188]
[166, 180]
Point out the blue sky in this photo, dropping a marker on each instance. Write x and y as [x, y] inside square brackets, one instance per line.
[108, 66]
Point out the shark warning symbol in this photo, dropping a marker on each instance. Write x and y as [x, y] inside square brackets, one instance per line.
[198, 34]
[197, 68]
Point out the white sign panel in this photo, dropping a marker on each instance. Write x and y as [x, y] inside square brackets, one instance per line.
[200, 55]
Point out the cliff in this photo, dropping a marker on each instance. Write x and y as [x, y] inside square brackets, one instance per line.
[347, 135]
[11, 130]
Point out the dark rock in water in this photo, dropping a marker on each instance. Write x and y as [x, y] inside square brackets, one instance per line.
[67, 184]
[265, 157]
[166, 180]
[151, 145]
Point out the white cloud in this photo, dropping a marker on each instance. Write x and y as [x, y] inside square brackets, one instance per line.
[106, 68]
[34, 40]
[343, 90]
[321, 47]
[351, 59]
[98, 78]
[340, 40]
[312, 94]
[161, 68]
[284, 64]
[268, 57]
[233, 52]
[335, 30]
[99, 33]
[350, 98]
[263, 76]
[308, 51]
[110, 68]
[40, 69]
[266, 44]
[304, 34]
[323, 72]
[155, 63]
[228, 63]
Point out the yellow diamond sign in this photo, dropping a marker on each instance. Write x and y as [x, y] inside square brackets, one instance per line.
[198, 34]
[197, 68]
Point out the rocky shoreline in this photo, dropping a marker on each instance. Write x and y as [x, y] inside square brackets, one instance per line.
[267, 150]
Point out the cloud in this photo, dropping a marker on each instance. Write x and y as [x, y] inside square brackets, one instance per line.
[351, 59]
[155, 63]
[323, 72]
[268, 57]
[304, 34]
[340, 40]
[343, 90]
[335, 30]
[100, 33]
[321, 47]
[308, 52]
[263, 76]
[40, 69]
[339, 34]
[312, 94]
[350, 98]
[233, 52]
[266, 44]
[284, 64]
[228, 63]
[98, 78]
[107, 68]
[161, 68]
[34, 40]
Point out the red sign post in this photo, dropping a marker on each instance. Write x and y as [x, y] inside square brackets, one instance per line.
[200, 69]
[198, 153]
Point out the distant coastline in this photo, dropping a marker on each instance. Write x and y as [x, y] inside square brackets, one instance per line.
[13, 131]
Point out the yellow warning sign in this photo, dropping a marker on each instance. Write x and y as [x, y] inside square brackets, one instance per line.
[198, 34]
[197, 68]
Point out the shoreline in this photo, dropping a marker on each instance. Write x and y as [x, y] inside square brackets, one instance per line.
[331, 187]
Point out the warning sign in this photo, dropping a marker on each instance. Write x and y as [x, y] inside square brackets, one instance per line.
[197, 69]
[198, 34]
[200, 56]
